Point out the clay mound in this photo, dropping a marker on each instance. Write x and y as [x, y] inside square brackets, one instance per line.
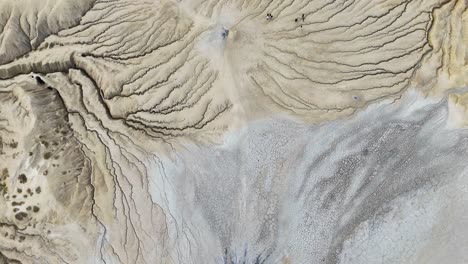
[113, 117]
[25, 24]
[171, 68]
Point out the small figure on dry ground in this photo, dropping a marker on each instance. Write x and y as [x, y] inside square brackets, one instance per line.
[269, 16]
[302, 17]
[225, 33]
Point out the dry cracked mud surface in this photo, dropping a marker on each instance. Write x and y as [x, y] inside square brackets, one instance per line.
[229, 132]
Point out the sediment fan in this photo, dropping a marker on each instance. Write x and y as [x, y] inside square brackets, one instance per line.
[111, 112]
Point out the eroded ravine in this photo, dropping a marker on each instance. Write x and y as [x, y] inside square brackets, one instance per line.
[118, 123]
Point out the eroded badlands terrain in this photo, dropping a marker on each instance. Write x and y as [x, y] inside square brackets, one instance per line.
[241, 131]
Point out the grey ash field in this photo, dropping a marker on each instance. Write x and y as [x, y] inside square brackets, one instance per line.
[233, 131]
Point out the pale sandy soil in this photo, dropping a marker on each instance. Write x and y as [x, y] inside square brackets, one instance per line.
[190, 131]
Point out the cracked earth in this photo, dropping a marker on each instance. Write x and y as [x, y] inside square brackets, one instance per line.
[229, 132]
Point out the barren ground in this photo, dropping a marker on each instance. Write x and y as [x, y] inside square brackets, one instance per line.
[207, 131]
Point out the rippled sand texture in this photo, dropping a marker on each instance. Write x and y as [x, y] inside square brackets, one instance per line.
[198, 131]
